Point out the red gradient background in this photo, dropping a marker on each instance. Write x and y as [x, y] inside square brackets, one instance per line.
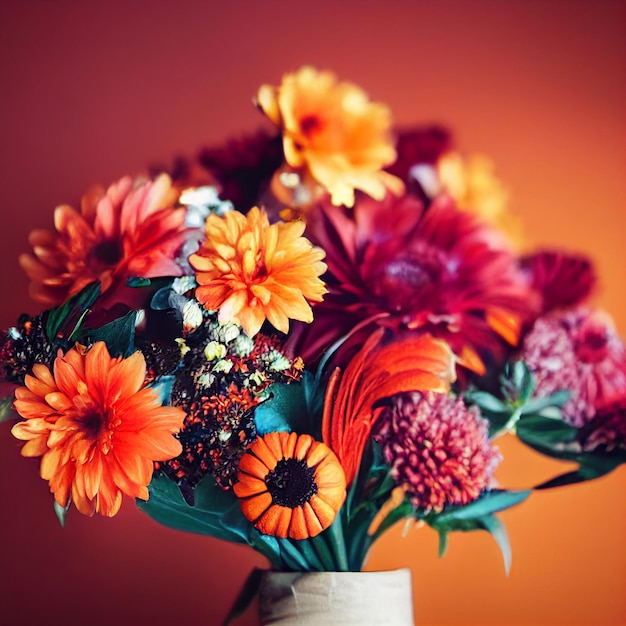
[91, 91]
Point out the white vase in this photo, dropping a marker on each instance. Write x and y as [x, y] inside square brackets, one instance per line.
[336, 598]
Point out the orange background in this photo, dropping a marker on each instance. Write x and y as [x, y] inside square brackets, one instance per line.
[91, 91]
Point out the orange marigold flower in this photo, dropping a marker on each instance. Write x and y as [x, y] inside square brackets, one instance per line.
[332, 131]
[131, 229]
[250, 271]
[96, 428]
[290, 485]
[352, 403]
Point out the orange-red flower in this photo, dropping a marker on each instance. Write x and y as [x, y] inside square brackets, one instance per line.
[131, 229]
[378, 371]
[96, 428]
[290, 485]
[332, 131]
[250, 271]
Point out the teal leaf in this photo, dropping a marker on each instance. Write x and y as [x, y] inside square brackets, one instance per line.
[213, 506]
[486, 402]
[7, 412]
[490, 502]
[161, 299]
[138, 281]
[545, 431]
[294, 407]
[163, 386]
[555, 400]
[498, 531]
[245, 596]
[61, 512]
[71, 313]
[591, 466]
[487, 522]
[119, 335]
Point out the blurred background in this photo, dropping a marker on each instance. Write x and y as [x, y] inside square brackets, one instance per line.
[91, 91]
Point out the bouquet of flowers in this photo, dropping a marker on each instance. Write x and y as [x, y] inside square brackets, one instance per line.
[298, 339]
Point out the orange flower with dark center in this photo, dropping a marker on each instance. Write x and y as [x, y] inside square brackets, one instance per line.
[131, 229]
[333, 132]
[250, 271]
[96, 428]
[352, 404]
[290, 485]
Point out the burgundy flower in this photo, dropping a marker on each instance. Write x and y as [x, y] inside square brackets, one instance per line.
[243, 167]
[441, 270]
[607, 430]
[422, 145]
[438, 448]
[579, 351]
[561, 279]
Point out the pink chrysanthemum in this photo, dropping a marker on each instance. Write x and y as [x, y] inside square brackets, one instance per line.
[578, 351]
[131, 229]
[438, 449]
[439, 270]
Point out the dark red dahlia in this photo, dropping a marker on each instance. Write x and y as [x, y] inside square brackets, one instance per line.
[560, 279]
[438, 270]
[607, 430]
[243, 167]
[419, 146]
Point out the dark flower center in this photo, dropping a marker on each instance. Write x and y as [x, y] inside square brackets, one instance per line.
[592, 343]
[310, 124]
[107, 252]
[92, 424]
[291, 483]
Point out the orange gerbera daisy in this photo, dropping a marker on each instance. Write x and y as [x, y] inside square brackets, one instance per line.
[352, 404]
[95, 427]
[290, 485]
[333, 132]
[250, 271]
[131, 229]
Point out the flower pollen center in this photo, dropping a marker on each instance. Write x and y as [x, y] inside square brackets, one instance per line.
[107, 252]
[291, 483]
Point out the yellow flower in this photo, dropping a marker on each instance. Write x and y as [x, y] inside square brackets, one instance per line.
[96, 428]
[333, 133]
[476, 189]
[290, 485]
[250, 271]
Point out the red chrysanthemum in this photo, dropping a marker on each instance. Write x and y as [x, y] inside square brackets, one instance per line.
[441, 270]
[561, 280]
[131, 229]
[438, 449]
[577, 351]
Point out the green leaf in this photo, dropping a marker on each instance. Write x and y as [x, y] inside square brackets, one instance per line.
[591, 466]
[295, 407]
[555, 400]
[7, 412]
[138, 281]
[71, 312]
[163, 386]
[245, 596]
[486, 402]
[497, 530]
[545, 431]
[490, 502]
[61, 512]
[488, 522]
[119, 335]
[213, 505]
